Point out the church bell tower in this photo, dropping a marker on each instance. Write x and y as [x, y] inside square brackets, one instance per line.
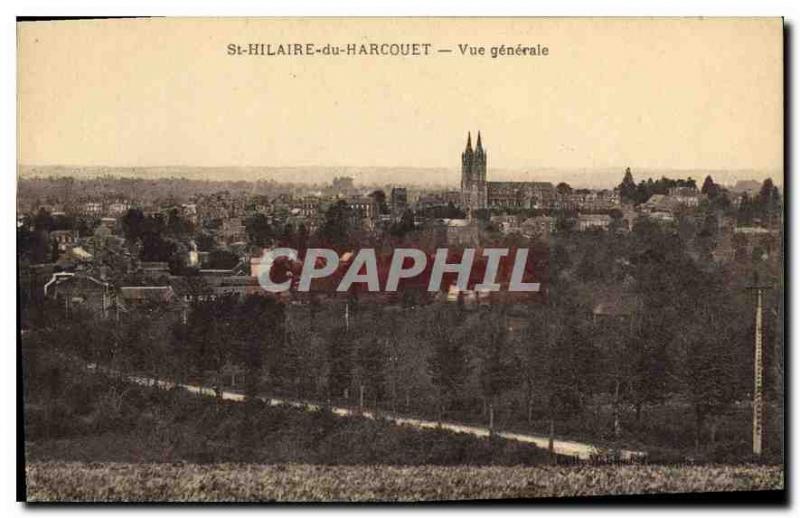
[473, 175]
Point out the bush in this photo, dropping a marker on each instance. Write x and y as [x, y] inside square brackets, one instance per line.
[102, 419]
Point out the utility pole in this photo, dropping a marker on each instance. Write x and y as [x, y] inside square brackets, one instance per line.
[758, 372]
[759, 379]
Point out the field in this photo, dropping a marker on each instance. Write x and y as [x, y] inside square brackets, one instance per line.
[99, 482]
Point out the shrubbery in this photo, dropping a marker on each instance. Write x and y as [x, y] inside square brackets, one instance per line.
[97, 419]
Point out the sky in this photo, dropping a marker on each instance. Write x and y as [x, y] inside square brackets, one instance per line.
[652, 93]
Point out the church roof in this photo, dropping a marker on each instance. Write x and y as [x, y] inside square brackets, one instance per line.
[520, 184]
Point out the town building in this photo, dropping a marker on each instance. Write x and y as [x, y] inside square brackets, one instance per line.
[363, 210]
[118, 208]
[233, 231]
[80, 292]
[538, 226]
[398, 201]
[479, 193]
[686, 196]
[586, 222]
[92, 208]
[64, 239]
[462, 232]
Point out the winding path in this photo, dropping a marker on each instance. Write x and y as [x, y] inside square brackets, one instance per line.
[580, 450]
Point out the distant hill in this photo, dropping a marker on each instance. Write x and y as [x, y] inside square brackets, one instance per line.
[382, 176]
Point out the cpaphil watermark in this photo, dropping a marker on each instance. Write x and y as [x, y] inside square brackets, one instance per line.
[325, 269]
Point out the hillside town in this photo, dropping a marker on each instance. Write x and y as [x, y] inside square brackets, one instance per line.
[120, 250]
[167, 285]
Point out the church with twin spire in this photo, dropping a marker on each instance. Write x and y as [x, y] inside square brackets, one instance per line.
[477, 193]
[473, 175]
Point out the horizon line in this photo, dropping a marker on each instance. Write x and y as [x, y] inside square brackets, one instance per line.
[449, 168]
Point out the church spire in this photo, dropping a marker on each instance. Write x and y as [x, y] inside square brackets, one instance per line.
[478, 144]
[469, 141]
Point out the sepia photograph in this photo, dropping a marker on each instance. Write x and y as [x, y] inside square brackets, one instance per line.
[394, 259]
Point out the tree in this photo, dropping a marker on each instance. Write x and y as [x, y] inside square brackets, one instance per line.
[198, 342]
[532, 350]
[707, 235]
[287, 237]
[205, 241]
[450, 211]
[650, 362]
[340, 362]
[667, 285]
[156, 248]
[221, 331]
[338, 223]
[558, 360]
[85, 226]
[563, 188]
[565, 221]
[643, 191]
[372, 364]
[34, 244]
[617, 221]
[590, 267]
[222, 260]
[177, 226]
[765, 194]
[709, 188]
[746, 212]
[379, 198]
[614, 339]
[141, 347]
[574, 373]
[63, 222]
[560, 260]
[261, 347]
[769, 201]
[300, 238]
[133, 224]
[708, 374]
[498, 368]
[404, 226]
[304, 362]
[627, 189]
[42, 221]
[448, 365]
[259, 231]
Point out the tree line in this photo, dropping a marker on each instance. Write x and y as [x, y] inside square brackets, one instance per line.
[672, 369]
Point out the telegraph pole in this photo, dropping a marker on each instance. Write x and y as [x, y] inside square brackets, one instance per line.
[759, 379]
[758, 372]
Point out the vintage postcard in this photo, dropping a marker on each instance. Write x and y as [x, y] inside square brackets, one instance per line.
[400, 259]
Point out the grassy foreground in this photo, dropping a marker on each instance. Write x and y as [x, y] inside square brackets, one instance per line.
[73, 481]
